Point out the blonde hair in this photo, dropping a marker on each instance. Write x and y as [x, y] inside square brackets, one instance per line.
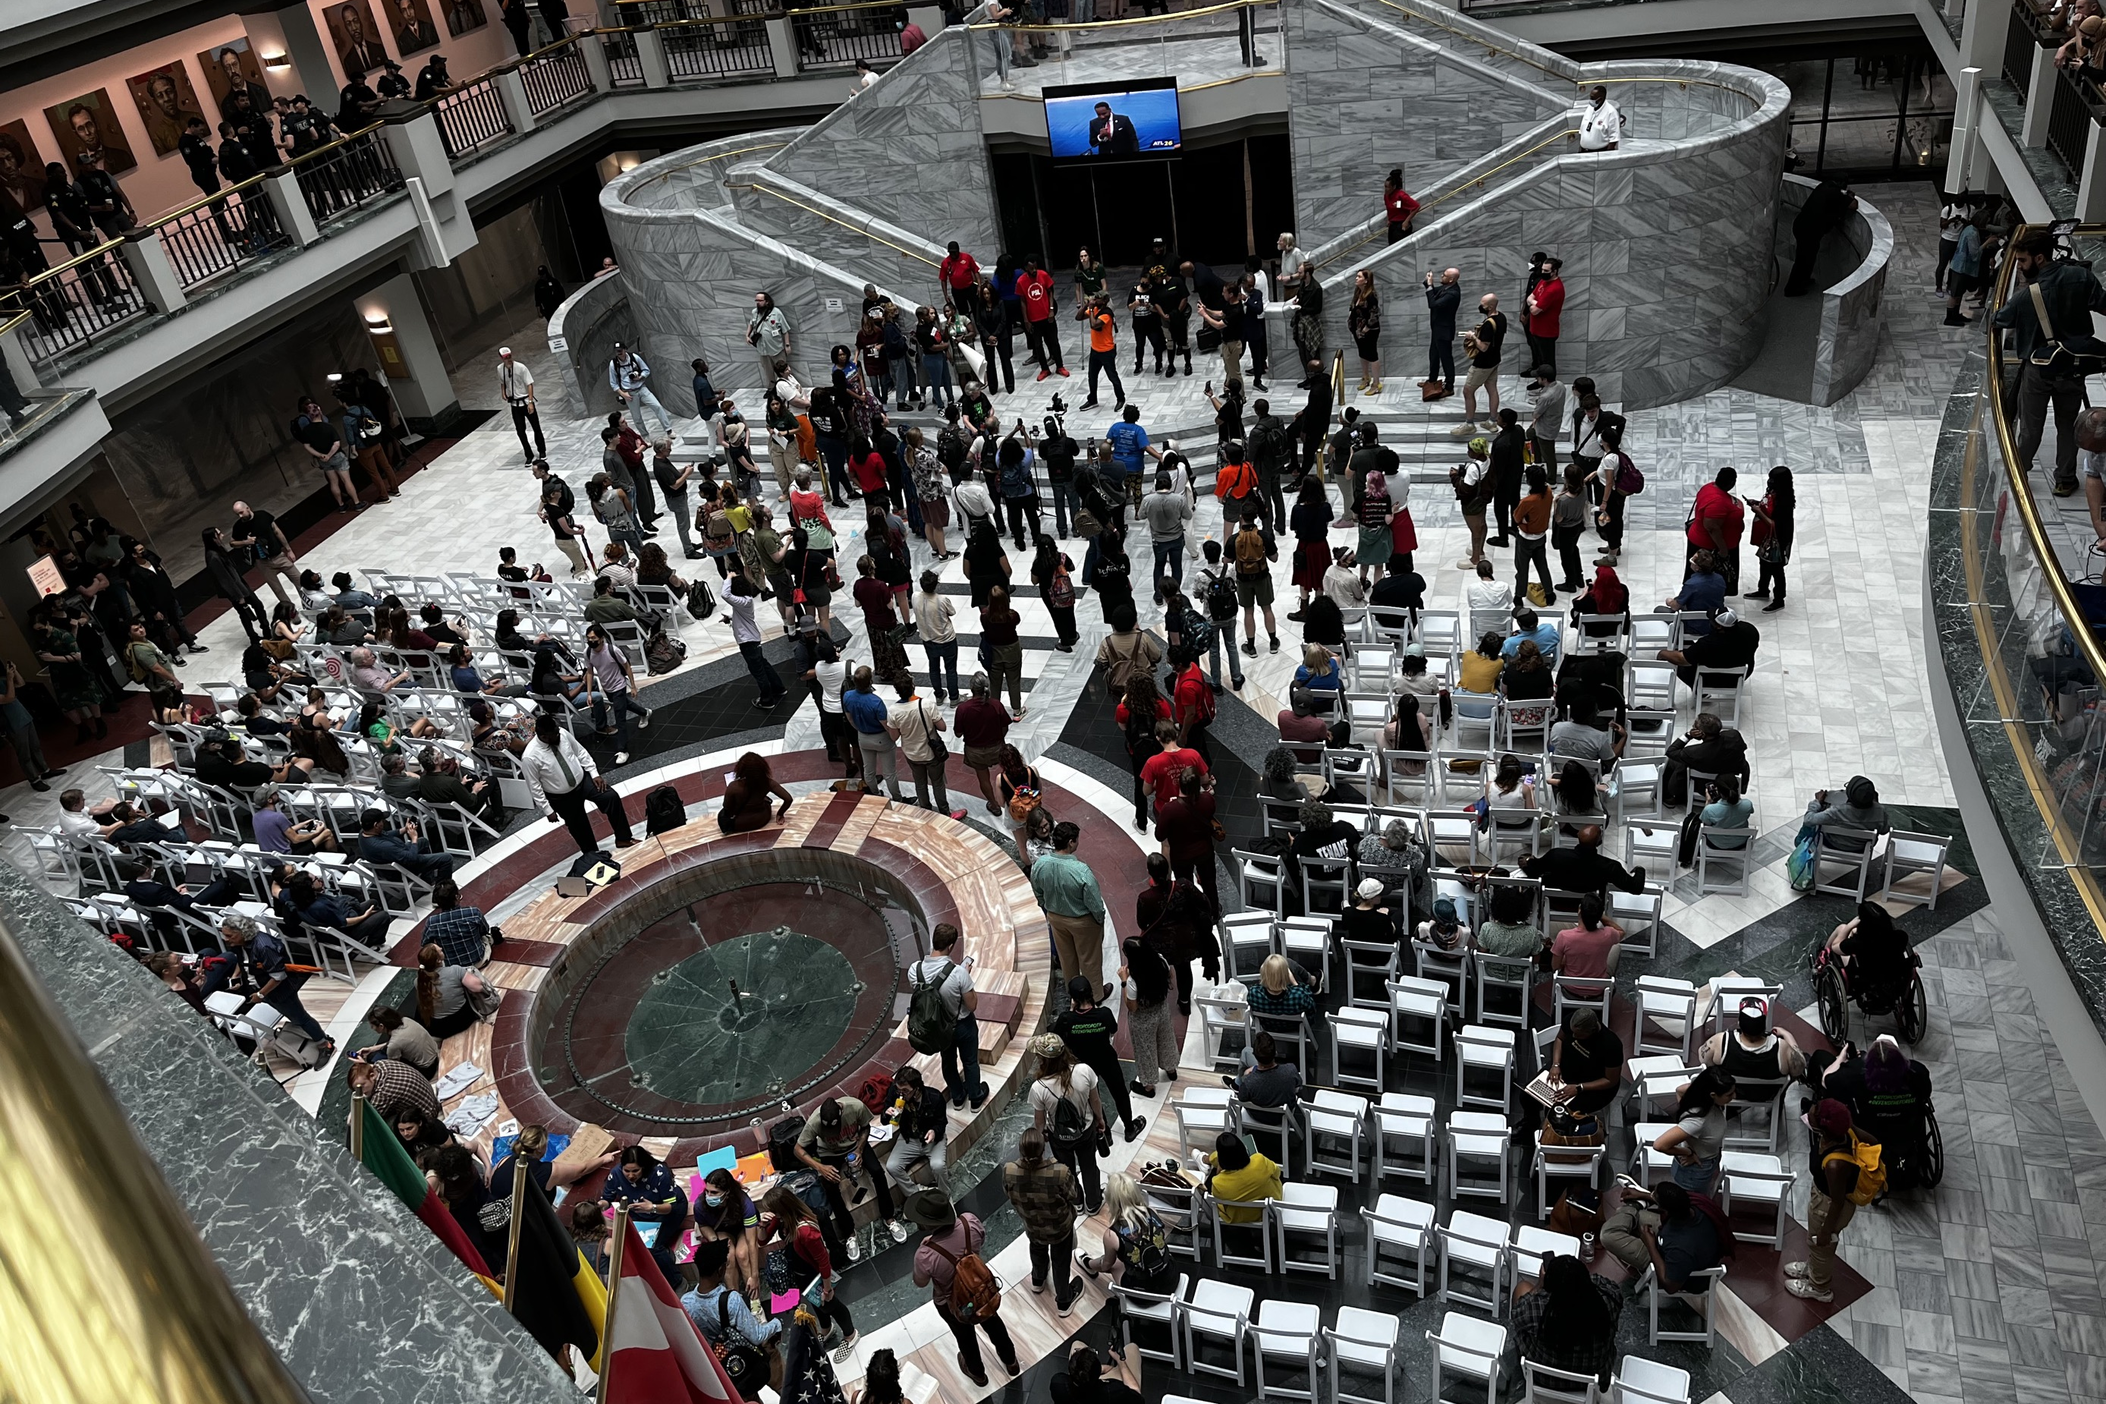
[1316, 656]
[1124, 1200]
[1275, 975]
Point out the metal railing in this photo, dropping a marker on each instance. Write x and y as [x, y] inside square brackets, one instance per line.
[471, 116]
[841, 34]
[554, 76]
[346, 175]
[2019, 44]
[2038, 629]
[718, 48]
[221, 232]
[77, 301]
[2074, 109]
[624, 67]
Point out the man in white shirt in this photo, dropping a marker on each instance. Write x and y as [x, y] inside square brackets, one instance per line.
[516, 383]
[1601, 125]
[948, 971]
[1490, 601]
[562, 780]
[1291, 260]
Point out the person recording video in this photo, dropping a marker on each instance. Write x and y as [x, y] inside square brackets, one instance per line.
[1112, 133]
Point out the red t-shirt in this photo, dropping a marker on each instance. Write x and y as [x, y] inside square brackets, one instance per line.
[959, 270]
[1162, 709]
[1162, 770]
[1195, 697]
[1303, 729]
[869, 471]
[875, 597]
[1715, 504]
[981, 722]
[1550, 300]
[1186, 825]
[1037, 293]
[1401, 206]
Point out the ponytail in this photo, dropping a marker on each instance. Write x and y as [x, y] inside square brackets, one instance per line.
[1031, 1148]
[428, 962]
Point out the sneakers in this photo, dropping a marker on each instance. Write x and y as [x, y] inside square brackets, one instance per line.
[980, 1100]
[900, 1231]
[1630, 1186]
[1274, 646]
[1773, 606]
[855, 1250]
[845, 1351]
[1066, 1308]
[644, 720]
[1089, 404]
[1042, 375]
[1038, 1287]
[1062, 372]
[1804, 1287]
[1796, 1269]
[621, 757]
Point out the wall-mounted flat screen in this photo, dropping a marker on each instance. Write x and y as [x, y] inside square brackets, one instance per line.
[1132, 120]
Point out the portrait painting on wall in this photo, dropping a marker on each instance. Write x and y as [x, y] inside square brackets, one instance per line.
[410, 22]
[464, 15]
[89, 123]
[232, 68]
[21, 168]
[356, 36]
[166, 103]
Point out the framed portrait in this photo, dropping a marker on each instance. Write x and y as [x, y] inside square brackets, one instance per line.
[21, 166]
[233, 68]
[464, 15]
[409, 24]
[166, 103]
[356, 36]
[89, 123]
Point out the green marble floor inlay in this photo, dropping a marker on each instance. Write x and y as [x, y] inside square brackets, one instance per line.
[739, 1022]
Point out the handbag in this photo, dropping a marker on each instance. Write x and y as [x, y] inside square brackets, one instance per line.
[938, 752]
[1799, 868]
[746, 1366]
[1086, 523]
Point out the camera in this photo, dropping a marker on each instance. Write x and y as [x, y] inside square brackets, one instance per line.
[1056, 417]
[1060, 406]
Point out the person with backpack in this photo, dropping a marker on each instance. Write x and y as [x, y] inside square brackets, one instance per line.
[1848, 1173]
[1053, 573]
[1216, 599]
[1135, 1243]
[960, 1283]
[1069, 1113]
[746, 1345]
[835, 1143]
[1254, 554]
[940, 1017]
[1618, 478]
[796, 1249]
[1042, 1190]
[1191, 702]
[1088, 1026]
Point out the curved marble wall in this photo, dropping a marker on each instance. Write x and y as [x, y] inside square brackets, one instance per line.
[1666, 241]
[1852, 315]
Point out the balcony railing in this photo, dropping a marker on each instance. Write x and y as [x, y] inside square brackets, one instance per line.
[77, 302]
[221, 232]
[718, 48]
[471, 117]
[347, 175]
[841, 34]
[554, 77]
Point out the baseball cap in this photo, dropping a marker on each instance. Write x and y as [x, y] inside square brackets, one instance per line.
[1725, 617]
[1444, 909]
[504, 350]
[1369, 889]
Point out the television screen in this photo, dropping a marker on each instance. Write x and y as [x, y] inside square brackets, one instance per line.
[1114, 121]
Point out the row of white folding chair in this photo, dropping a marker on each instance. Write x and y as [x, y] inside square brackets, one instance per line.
[1361, 1341]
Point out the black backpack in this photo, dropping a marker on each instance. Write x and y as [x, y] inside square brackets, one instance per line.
[1268, 445]
[782, 1144]
[700, 602]
[1145, 1248]
[1221, 599]
[663, 810]
[950, 450]
[930, 1027]
[1068, 1126]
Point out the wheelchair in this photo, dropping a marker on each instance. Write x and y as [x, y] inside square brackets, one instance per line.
[1912, 1145]
[1906, 1002]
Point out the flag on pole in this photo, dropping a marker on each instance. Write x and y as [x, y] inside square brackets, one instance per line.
[555, 1295]
[382, 1153]
[656, 1356]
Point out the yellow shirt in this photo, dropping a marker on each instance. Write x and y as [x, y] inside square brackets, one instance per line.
[1258, 1180]
[1479, 673]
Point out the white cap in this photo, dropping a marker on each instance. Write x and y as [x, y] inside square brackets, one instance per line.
[504, 350]
[1369, 889]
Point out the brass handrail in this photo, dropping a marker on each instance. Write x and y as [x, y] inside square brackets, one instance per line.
[700, 20]
[1479, 179]
[1477, 39]
[720, 156]
[830, 219]
[2016, 472]
[17, 320]
[1225, 7]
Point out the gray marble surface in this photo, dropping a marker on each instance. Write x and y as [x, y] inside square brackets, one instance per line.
[357, 1297]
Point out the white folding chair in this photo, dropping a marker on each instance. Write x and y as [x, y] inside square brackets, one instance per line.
[1641, 779]
[1642, 1381]
[1333, 1117]
[1583, 992]
[1359, 1031]
[1704, 1303]
[1224, 1028]
[1513, 976]
[1259, 1222]
[1470, 1348]
[1398, 1225]
[1664, 1015]
[1638, 913]
[1287, 1330]
[1202, 1114]
[1156, 1309]
[1544, 1385]
[1532, 1245]
[1364, 1342]
[1304, 1213]
[1488, 1051]
[1478, 1244]
[1734, 861]
[1564, 1162]
[1650, 683]
[1424, 1002]
[1219, 1312]
[1911, 854]
[1404, 1120]
[1246, 939]
[1480, 1138]
[1756, 1179]
[1652, 844]
[1261, 880]
[1839, 868]
[1368, 961]
[1268, 1123]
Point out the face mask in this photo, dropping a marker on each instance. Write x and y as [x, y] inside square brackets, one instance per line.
[713, 1200]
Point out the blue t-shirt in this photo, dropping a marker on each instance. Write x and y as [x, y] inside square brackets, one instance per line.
[1544, 636]
[1700, 593]
[1128, 442]
[466, 679]
[271, 827]
[866, 710]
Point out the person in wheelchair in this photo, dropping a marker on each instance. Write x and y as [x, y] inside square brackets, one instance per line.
[1890, 1097]
[1877, 963]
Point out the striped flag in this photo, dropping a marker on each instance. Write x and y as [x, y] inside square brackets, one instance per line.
[382, 1153]
[656, 1356]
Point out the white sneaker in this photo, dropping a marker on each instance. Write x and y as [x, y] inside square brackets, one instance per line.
[644, 720]
[855, 1250]
[845, 1351]
[900, 1232]
[621, 757]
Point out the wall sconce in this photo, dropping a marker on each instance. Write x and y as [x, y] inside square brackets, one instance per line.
[334, 376]
[627, 163]
[379, 325]
[277, 60]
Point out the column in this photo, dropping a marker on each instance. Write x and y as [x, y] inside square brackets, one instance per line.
[594, 48]
[782, 46]
[151, 270]
[511, 90]
[1982, 36]
[408, 354]
[1966, 125]
[650, 58]
[282, 188]
[2040, 98]
[2091, 181]
[291, 33]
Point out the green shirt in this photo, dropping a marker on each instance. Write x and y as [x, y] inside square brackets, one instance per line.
[1503, 939]
[1065, 886]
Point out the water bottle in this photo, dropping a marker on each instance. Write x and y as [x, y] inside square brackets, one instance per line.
[1586, 1247]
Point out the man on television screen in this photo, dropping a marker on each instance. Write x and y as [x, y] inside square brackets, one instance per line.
[1112, 133]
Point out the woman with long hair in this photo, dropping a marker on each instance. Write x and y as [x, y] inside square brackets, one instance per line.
[789, 1227]
[1137, 713]
[1145, 979]
[749, 800]
[1698, 1136]
[1053, 572]
[649, 1190]
[1528, 676]
[1607, 595]
[1364, 321]
[1308, 314]
[725, 1212]
[1003, 650]
[1575, 1322]
[407, 1040]
[1773, 532]
[1020, 791]
[227, 579]
[881, 1380]
[314, 740]
[443, 1002]
[1379, 501]
[1068, 1113]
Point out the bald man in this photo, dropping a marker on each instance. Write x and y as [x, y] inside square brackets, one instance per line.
[1442, 299]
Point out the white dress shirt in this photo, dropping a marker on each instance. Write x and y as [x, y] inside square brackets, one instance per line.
[557, 769]
[1600, 127]
[514, 381]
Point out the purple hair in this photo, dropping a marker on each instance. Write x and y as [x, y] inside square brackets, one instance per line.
[1886, 1067]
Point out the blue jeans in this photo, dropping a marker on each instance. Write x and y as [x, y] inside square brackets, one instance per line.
[1170, 561]
[943, 657]
[961, 1061]
[286, 1000]
[1234, 659]
[936, 374]
[1697, 1178]
[623, 704]
[1063, 494]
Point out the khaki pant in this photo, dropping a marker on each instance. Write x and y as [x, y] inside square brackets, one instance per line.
[1825, 1220]
[277, 572]
[1080, 942]
[568, 545]
[1620, 1236]
[1231, 360]
[782, 460]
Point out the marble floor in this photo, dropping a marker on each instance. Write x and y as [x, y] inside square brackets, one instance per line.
[1994, 1286]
